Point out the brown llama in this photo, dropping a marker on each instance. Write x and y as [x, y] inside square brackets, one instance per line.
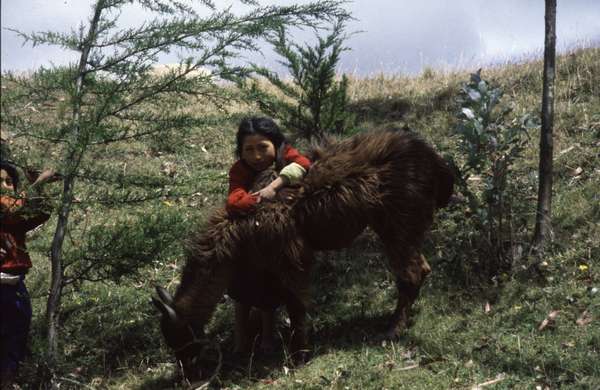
[391, 181]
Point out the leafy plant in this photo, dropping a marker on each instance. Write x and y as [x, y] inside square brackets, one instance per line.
[314, 103]
[489, 144]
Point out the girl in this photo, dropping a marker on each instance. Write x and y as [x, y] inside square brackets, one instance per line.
[260, 146]
[19, 215]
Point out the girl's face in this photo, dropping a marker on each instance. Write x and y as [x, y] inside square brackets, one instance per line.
[258, 152]
[6, 182]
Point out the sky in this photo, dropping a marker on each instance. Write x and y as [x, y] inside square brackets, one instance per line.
[394, 36]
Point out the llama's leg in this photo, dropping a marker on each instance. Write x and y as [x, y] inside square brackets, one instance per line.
[296, 300]
[242, 326]
[297, 311]
[267, 342]
[425, 267]
[410, 270]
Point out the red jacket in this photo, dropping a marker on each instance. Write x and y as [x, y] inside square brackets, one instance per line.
[16, 222]
[241, 177]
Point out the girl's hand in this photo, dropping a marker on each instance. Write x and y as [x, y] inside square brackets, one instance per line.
[266, 193]
[45, 176]
[270, 191]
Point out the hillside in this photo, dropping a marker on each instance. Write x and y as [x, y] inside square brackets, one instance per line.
[468, 328]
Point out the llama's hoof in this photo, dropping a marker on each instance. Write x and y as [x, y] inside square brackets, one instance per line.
[300, 358]
[394, 334]
[391, 335]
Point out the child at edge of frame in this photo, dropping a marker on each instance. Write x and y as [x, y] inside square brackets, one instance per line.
[20, 213]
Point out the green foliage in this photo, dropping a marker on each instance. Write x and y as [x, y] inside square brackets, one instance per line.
[315, 103]
[490, 143]
[122, 246]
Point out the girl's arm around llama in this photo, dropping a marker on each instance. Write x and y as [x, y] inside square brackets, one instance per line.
[290, 174]
[296, 167]
[239, 201]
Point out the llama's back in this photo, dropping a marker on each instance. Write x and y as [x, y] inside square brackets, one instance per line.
[391, 180]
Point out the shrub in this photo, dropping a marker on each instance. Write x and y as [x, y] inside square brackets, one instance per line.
[489, 144]
[314, 103]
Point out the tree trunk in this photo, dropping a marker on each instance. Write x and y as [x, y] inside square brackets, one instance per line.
[72, 161]
[543, 228]
[53, 305]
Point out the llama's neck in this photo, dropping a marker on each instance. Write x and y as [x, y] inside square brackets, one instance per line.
[202, 287]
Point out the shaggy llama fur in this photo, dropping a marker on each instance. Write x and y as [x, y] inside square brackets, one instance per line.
[391, 181]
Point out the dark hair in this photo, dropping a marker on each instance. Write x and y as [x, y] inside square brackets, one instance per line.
[12, 172]
[259, 125]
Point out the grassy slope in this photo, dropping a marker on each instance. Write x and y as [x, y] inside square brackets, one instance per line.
[111, 336]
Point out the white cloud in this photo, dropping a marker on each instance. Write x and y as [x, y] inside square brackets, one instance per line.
[399, 35]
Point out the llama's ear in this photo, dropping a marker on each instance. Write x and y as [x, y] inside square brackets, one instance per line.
[164, 295]
[165, 309]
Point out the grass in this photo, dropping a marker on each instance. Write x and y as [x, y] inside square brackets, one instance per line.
[110, 335]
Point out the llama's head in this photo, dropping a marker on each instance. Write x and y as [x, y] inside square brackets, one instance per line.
[189, 344]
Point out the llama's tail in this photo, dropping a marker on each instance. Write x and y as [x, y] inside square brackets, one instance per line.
[445, 179]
